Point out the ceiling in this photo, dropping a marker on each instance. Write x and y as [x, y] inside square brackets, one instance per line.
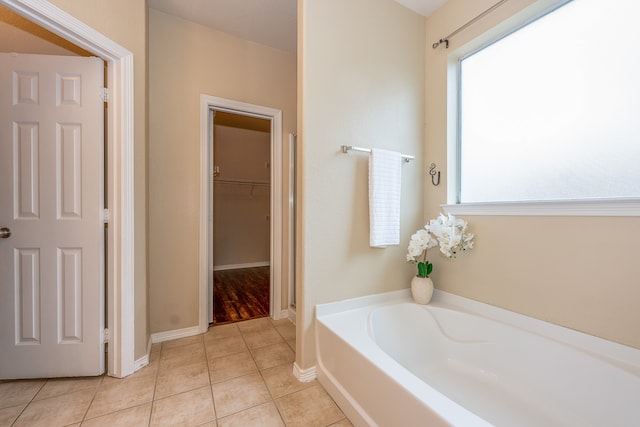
[269, 22]
[423, 7]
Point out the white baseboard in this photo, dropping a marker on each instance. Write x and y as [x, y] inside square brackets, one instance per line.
[291, 314]
[175, 334]
[141, 363]
[238, 266]
[304, 375]
[144, 360]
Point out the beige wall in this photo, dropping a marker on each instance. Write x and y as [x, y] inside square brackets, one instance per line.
[361, 82]
[185, 61]
[579, 272]
[125, 22]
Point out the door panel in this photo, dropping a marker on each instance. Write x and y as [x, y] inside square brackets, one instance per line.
[51, 197]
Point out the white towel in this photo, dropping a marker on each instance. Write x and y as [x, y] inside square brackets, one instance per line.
[385, 173]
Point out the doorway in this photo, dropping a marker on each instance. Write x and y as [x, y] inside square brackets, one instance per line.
[210, 106]
[119, 173]
[241, 195]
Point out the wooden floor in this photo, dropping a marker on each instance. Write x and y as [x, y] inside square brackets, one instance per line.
[240, 294]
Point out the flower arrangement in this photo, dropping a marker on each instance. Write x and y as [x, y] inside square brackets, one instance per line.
[449, 232]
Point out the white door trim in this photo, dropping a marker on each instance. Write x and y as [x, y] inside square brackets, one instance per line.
[119, 126]
[208, 103]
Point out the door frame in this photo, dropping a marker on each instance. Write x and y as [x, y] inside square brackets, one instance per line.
[212, 103]
[120, 173]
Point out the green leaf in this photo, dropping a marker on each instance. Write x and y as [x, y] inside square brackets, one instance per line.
[421, 269]
[424, 269]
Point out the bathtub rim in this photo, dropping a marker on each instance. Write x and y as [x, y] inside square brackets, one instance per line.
[620, 355]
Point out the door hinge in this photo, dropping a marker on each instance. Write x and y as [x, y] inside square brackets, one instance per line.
[105, 94]
[105, 216]
[105, 335]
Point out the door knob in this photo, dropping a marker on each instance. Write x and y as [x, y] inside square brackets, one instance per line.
[5, 233]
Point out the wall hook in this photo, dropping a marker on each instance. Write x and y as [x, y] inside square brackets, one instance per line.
[433, 172]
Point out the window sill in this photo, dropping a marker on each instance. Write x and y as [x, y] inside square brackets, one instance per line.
[595, 207]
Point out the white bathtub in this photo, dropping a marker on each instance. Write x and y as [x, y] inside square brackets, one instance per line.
[456, 362]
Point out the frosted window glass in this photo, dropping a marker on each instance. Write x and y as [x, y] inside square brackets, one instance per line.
[552, 111]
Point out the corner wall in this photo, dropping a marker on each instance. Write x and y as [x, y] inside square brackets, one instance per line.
[361, 82]
[578, 272]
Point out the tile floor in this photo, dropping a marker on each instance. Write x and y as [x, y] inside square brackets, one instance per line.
[234, 375]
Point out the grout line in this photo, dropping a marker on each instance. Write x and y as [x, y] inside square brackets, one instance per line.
[206, 360]
[26, 405]
[155, 383]
[95, 393]
[272, 399]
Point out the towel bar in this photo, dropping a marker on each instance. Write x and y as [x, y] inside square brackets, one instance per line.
[347, 148]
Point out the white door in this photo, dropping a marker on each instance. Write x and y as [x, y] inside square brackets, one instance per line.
[51, 201]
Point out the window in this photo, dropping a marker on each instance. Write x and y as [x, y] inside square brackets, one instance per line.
[551, 112]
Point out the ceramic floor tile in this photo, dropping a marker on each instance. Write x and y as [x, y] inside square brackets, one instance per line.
[254, 325]
[56, 387]
[56, 411]
[273, 355]
[15, 393]
[223, 346]
[311, 407]
[9, 415]
[222, 331]
[265, 415]
[136, 416]
[122, 395]
[181, 379]
[231, 366]
[182, 355]
[262, 337]
[194, 339]
[233, 371]
[239, 393]
[286, 329]
[280, 380]
[191, 408]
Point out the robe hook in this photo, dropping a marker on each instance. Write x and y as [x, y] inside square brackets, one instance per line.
[433, 172]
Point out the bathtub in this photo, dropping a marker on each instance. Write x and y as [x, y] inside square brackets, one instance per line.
[455, 362]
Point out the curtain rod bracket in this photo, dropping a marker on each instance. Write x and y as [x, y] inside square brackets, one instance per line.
[439, 42]
[445, 40]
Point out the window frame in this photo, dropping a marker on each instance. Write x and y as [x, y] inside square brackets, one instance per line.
[615, 206]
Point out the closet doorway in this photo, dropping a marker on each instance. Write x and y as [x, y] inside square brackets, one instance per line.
[241, 198]
[210, 106]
